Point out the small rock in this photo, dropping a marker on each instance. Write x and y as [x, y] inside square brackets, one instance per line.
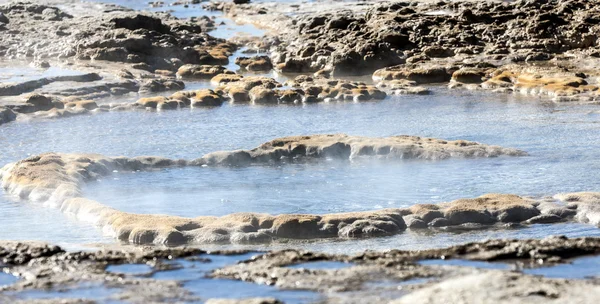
[3, 18]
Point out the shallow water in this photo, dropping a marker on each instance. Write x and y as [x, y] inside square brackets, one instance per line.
[233, 289]
[130, 269]
[27, 221]
[321, 265]
[194, 276]
[561, 141]
[19, 72]
[465, 263]
[87, 291]
[7, 279]
[581, 268]
[341, 186]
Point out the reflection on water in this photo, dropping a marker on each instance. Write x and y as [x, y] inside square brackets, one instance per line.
[419, 240]
[581, 268]
[130, 269]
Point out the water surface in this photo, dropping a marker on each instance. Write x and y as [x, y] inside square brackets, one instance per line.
[580, 268]
[561, 139]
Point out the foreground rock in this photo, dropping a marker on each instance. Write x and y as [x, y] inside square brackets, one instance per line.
[43, 268]
[439, 283]
[373, 276]
[502, 287]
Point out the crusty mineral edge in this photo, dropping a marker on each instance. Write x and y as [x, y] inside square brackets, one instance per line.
[57, 179]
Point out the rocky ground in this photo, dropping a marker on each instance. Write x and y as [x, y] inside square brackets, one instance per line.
[394, 276]
[127, 60]
[527, 47]
[531, 47]
[116, 50]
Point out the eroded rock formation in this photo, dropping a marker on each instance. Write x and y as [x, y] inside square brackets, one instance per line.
[57, 180]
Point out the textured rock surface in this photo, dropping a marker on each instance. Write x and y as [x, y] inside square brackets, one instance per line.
[531, 47]
[454, 284]
[7, 115]
[586, 204]
[360, 278]
[503, 287]
[359, 40]
[348, 147]
[117, 35]
[201, 71]
[256, 63]
[323, 89]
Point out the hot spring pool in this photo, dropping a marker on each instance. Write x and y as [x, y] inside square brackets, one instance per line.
[561, 140]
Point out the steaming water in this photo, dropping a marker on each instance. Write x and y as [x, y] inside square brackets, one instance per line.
[561, 139]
